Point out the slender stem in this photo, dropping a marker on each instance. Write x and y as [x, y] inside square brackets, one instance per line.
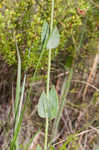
[46, 133]
[37, 66]
[52, 14]
[40, 58]
[49, 59]
[48, 82]
[48, 77]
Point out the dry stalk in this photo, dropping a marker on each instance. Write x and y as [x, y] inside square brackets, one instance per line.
[35, 142]
[92, 72]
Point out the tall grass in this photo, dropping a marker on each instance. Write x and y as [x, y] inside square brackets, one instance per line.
[64, 93]
[18, 111]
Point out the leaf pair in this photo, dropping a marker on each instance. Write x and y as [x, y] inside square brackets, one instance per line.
[52, 38]
[49, 105]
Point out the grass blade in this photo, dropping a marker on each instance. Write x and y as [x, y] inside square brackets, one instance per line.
[64, 93]
[18, 82]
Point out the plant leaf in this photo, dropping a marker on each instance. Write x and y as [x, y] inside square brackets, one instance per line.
[54, 39]
[53, 103]
[45, 32]
[38, 147]
[49, 106]
[43, 105]
[18, 86]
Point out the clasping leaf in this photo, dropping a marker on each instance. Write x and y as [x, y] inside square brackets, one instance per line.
[54, 38]
[49, 105]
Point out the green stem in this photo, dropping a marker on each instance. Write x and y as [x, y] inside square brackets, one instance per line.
[37, 66]
[48, 82]
[49, 57]
[52, 14]
[48, 77]
[46, 133]
[40, 58]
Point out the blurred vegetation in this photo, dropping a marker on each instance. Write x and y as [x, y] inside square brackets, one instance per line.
[22, 20]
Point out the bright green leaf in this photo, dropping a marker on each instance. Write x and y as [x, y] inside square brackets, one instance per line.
[53, 41]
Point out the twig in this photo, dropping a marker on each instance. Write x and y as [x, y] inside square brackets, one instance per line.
[97, 130]
[85, 141]
[79, 134]
[34, 142]
[92, 73]
[84, 82]
[34, 84]
[79, 81]
[62, 74]
[69, 121]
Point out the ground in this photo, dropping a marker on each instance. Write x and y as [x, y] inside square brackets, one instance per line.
[79, 124]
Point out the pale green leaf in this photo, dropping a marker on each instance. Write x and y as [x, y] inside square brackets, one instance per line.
[53, 103]
[43, 105]
[53, 41]
[48, 106]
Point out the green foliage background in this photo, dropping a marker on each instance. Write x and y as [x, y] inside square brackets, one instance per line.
[23, 19]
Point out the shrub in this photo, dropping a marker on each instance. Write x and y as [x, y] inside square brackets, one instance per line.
[23, 20]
